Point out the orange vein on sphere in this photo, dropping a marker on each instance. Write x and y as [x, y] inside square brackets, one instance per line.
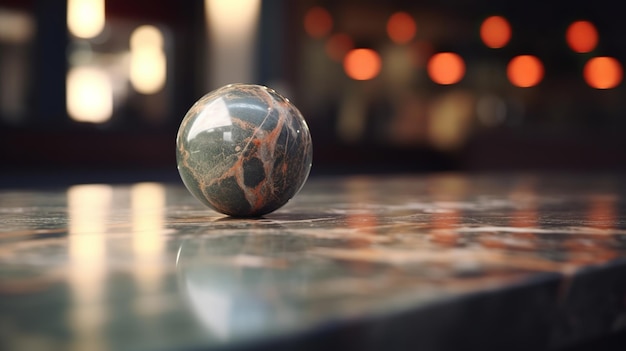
[270, 139]
[495, 32]
[581, 36]
[255, 196]
[525, 71]
[237, 169]
[268, 102]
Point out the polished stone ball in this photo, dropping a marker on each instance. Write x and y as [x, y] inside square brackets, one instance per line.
[244, 150]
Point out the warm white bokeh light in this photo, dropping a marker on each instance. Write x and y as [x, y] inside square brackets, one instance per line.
[88, 206]
[89, 209]
[148, 207]
[148, 63]
[85, 18]
[450, 120]
[89, 94]
[232, 29]
[146, 36]
[16, 26]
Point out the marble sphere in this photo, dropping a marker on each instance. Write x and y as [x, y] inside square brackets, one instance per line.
[244, 150]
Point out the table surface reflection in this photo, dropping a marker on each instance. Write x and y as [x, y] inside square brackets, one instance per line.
[436, 261]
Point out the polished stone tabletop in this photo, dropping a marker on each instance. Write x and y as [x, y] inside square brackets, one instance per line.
[435, 262]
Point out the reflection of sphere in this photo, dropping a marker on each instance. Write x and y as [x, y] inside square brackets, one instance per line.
[220, 305]
[244, 150]
[238, 284]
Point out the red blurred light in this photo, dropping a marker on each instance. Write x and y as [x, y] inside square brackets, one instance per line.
[581, 36]
[401, 28]
[495, 32]
[318, 22]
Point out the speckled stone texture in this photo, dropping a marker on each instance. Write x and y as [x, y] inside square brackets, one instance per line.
[244, 150]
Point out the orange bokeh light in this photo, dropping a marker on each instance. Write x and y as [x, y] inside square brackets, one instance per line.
[581, 36]
[318, 22]
[401, 28]
[495, 32]
[362, 64]
[446, 68]
[603, 72]
[338, 46]
[525, 71]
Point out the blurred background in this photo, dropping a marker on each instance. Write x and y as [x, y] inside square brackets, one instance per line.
[91, 90]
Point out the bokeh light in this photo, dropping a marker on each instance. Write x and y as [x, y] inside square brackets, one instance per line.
[148, 64]
[318, 22]
[495, 32]
[89, 94]
[362, 64]
[338, 45]
[85, 18]
[232, 28]
[446, 68]
[525, 71]
[581, 36]
[16, 26]
[603, 72]
[401, 28]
